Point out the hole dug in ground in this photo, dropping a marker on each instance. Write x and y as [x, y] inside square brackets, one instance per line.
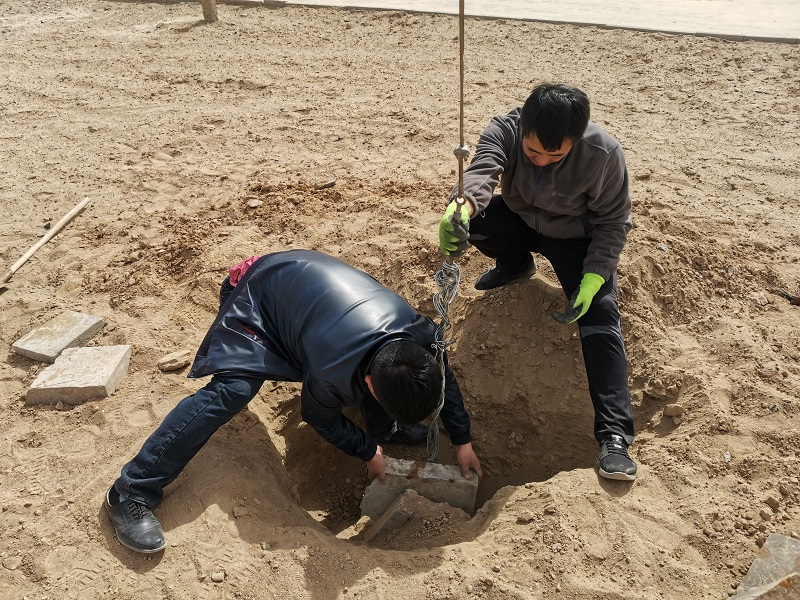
[523, 379]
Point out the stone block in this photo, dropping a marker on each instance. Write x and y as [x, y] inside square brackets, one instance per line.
[438, 483]
[174, 361]
[778, 557]
[68, 330]
[398, 513]
[81, 374]
[787, 588]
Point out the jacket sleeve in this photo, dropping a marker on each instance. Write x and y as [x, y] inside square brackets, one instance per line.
[320, 408]
[492, 155]
[609, 209]
[454, 415]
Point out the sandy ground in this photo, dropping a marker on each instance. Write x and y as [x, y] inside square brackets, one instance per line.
[201, 145]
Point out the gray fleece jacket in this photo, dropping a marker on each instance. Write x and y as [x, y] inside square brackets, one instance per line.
[585, 194]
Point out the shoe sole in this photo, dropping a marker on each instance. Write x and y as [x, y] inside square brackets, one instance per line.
[617, 476]
[140, 550]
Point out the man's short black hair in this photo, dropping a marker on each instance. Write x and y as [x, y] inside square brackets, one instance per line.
[407, 381]
[556, 113]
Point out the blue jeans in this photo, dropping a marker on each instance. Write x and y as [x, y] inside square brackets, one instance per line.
[502, 234]
[182, 434]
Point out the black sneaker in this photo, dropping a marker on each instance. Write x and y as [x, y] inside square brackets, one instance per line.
[410, 435]
[134, 523]
[613, 460]
[497, 276]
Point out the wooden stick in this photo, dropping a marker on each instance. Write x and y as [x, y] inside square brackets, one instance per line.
[45, 238]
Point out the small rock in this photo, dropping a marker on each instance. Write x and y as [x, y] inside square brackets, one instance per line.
[673, 410]
[176, 360]
[423, 254]
[265, 546]
[765, 514]
[727, 456]
[642, 176]
[759, 298]
[496, 568]
[240, 511]
[660, 268]
[677, 420]
[326, 185]
[255, 203]
[218, 577]
[12, 563]
[772, 502]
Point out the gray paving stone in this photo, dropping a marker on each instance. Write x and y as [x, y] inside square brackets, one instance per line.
[787, 588]
[438, 483]
[779, 556]
[81, 374]
[395, 516]
[68, 330]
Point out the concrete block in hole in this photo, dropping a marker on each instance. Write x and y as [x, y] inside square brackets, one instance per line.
[81, 374]
[67, 330]
[438, 483]
[395, 516]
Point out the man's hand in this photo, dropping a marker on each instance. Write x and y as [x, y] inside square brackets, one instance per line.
[581, 299]
[376, 466]
[454, 230]
[467, 458]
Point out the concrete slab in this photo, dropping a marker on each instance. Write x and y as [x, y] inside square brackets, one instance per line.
[778, 557]
[68, 330]
[438, 483]
[398, 513]
[787, 588]
[81, 374]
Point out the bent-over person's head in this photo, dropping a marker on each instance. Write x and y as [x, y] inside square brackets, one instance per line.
[406, 380]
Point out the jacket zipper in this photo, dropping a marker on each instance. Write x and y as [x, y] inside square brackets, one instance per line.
[537, 185]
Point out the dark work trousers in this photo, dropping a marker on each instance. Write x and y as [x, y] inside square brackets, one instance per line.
[503, 235]
[188, 426]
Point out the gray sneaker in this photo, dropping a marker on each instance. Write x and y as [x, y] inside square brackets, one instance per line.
[134, 523]
[613, 460]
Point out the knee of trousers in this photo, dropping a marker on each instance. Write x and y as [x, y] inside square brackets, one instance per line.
[236, 393]
[603, 312]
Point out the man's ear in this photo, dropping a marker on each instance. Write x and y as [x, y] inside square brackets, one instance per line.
[368, 379]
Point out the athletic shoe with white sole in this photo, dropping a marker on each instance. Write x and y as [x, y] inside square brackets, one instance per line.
[613, 460]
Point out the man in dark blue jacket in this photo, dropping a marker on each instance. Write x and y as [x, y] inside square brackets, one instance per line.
[300, 316]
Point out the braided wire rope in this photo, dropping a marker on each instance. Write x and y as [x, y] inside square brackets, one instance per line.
[448, 277]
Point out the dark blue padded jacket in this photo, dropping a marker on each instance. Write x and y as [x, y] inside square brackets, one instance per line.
[304, 316]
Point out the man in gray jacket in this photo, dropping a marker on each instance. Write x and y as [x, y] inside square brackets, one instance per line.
[563, 194]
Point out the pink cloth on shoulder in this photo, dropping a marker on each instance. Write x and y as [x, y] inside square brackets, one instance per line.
[239, 269]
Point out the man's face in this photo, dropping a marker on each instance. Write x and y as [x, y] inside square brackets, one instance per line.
[536, 153]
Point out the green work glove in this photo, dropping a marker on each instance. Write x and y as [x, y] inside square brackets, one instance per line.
[581, 299]
[454, 230]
